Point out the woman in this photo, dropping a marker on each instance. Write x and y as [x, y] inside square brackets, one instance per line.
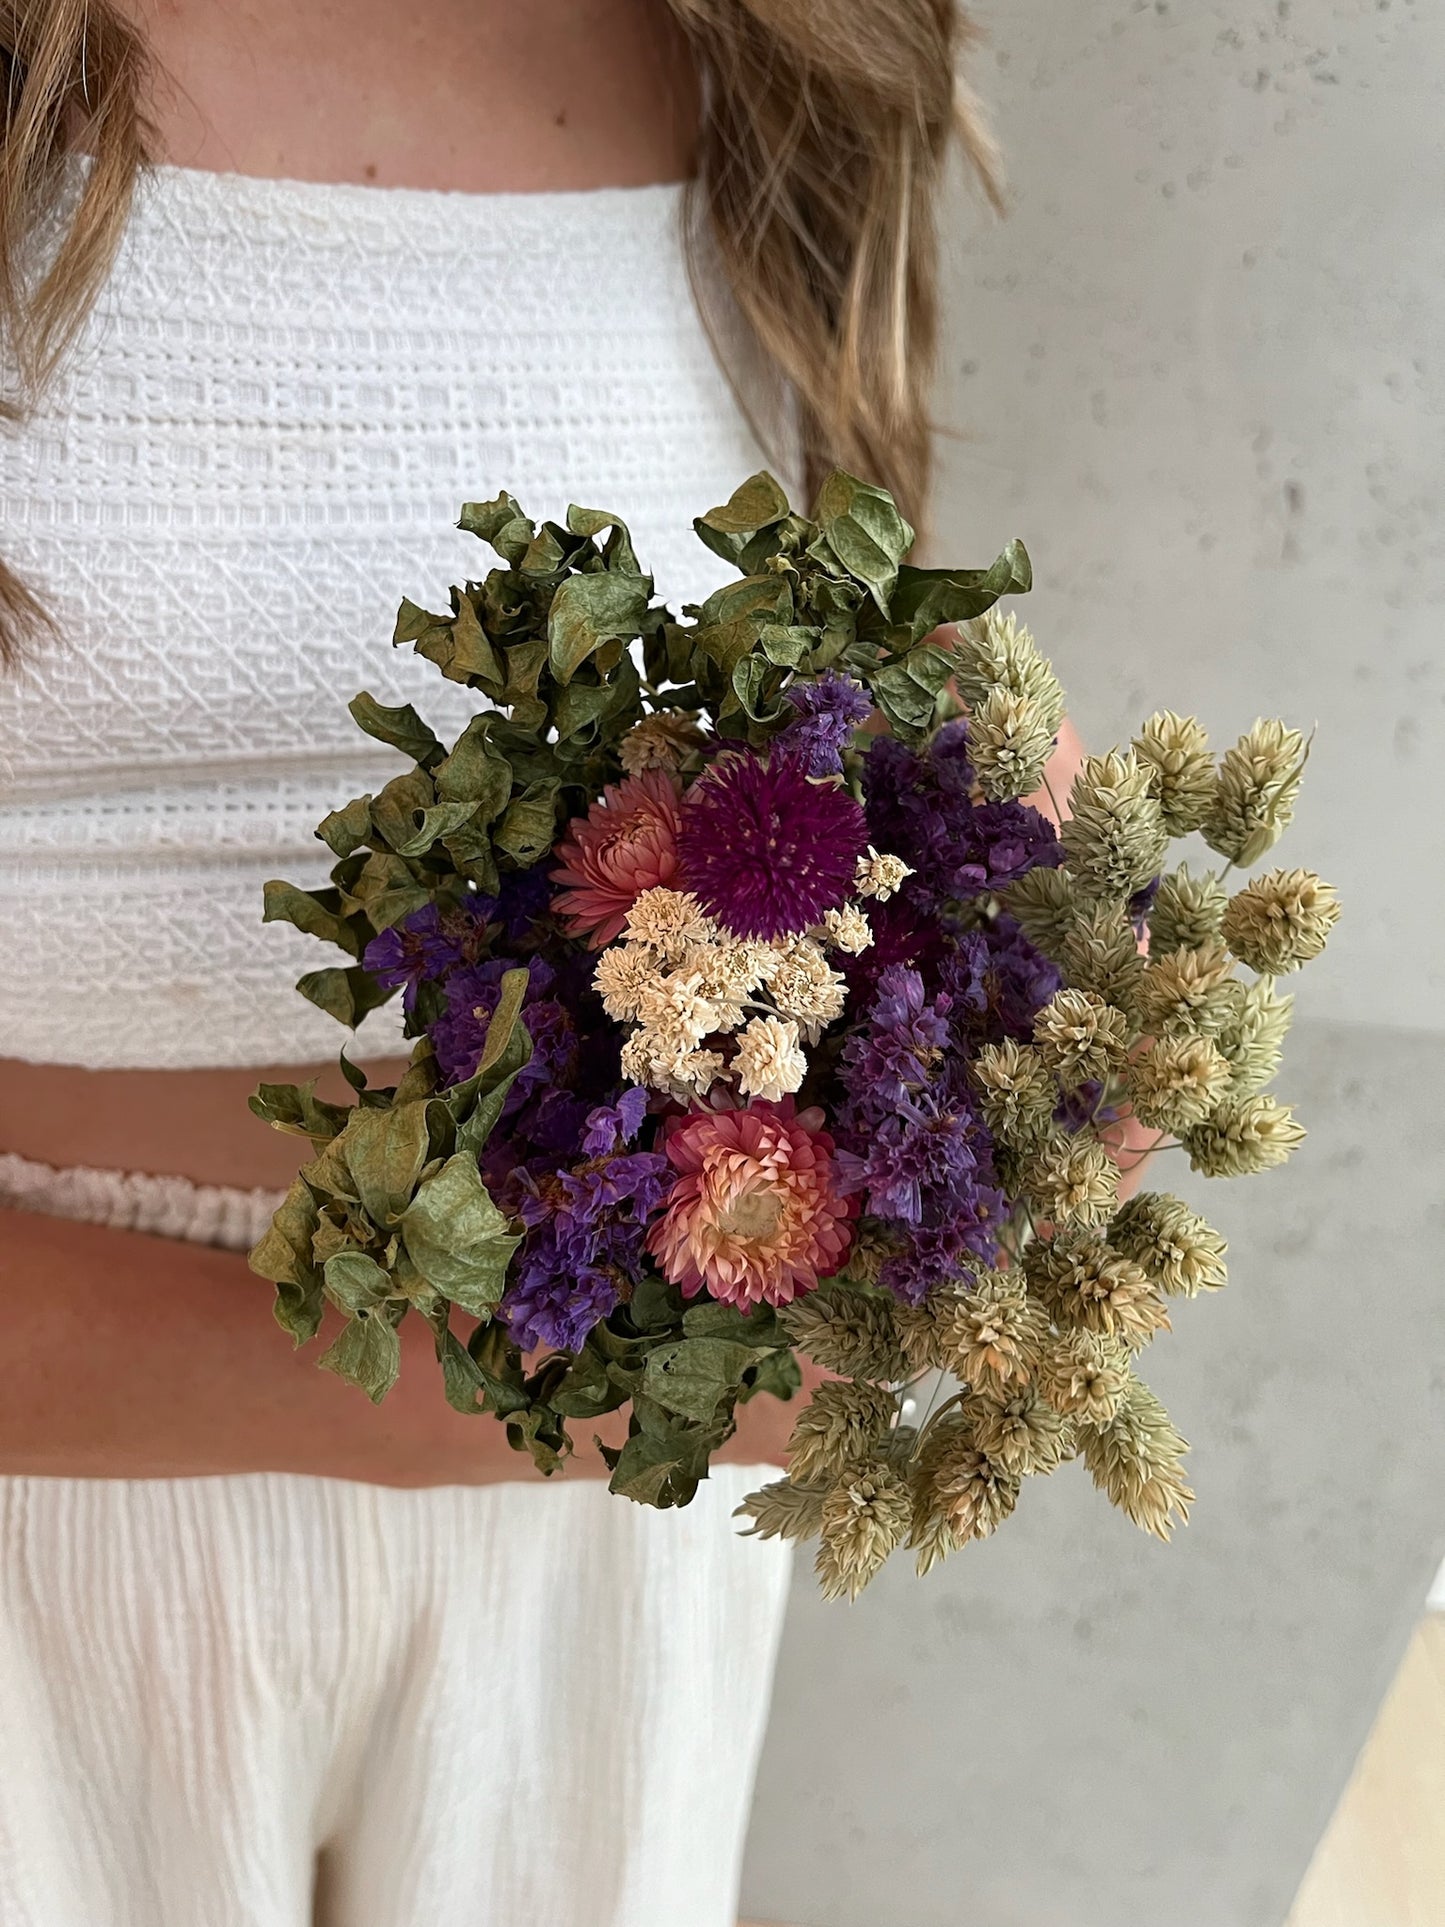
[262, 1647]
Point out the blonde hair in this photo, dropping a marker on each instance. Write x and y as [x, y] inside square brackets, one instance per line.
[825, 129]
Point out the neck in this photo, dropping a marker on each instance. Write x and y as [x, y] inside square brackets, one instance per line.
[481, 96]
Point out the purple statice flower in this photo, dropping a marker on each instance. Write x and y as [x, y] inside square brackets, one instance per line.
[1020, 981]
[911, 1140]
[997, 843]
[963, 973]
[522, 897]
[460, 1033]
[765, 850]
[584, 1246]
[554, 1123]
[920, 1152]
[937, 1253]
[544, 1306]
[439, 938]
[901, 935]
[611, 1126]
[949, 759]
[829, 710]
[426, 945]
[896, 1052]
[922, 809]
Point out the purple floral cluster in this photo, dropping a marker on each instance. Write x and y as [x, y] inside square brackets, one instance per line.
[998, 982]
[439, 938]
[936, 990]
[561, 1164]
[459, 1034]
[921, 808]
[586, 1227]
[911, 1139]
[829, 710]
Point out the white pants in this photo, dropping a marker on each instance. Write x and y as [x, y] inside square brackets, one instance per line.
[270, 1701]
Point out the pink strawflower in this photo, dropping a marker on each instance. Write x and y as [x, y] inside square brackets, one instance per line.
[626, 843]
[755, 1214]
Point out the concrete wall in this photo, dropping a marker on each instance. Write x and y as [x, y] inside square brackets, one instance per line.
[1202, 371]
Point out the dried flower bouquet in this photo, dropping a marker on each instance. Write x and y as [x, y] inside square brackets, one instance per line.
[756, 1015]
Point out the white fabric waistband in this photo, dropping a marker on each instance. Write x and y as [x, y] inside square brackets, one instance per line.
[167, 1207]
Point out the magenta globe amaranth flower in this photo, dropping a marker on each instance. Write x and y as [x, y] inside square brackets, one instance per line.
[766, 850]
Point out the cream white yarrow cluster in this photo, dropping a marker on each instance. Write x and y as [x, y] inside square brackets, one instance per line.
[708, 1007]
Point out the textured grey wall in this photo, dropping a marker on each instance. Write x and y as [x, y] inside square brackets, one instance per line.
[1202, 371]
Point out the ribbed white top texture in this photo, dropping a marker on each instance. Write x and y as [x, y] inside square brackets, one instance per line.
[284, 397]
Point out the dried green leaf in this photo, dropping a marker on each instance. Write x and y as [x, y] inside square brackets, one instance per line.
[283, 1255]
[758, 504]
[345, 830]
[662, 1470]
[528, 826]
[924, 599]
[525, 662]
[295, 1109]
[587, 610]
[863, 529]
[346, 995]
[502, 516]
[617, 549]
[386, 890]
[356, 1282]
[366, 1353]
[457, 1238]
[475, 772]
[317, 912]
[401, 727]
[907, 691]
[469, 655]
[433, 823]
[693, 1376]
[591, 1387]
[385, 1153]
[395, 809]
[581, 705]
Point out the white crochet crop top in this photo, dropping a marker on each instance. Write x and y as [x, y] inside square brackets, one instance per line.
[284, 397]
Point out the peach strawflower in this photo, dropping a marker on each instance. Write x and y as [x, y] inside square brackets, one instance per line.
[626, 843]
[755, 1215]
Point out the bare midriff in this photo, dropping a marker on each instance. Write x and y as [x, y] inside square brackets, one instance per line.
[129, 1356]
